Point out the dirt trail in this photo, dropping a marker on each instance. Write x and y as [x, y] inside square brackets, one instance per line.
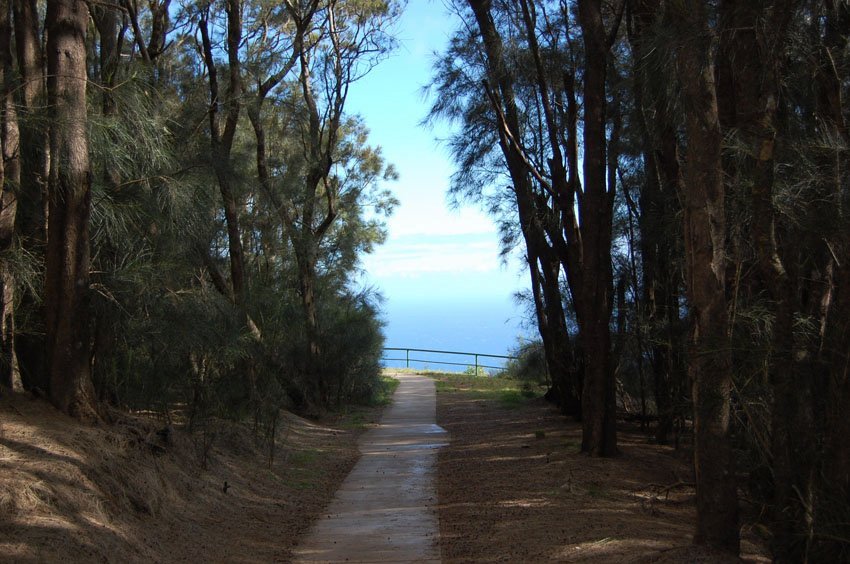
[384, 511]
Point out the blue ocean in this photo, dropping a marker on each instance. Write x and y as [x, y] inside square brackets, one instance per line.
[493, 327]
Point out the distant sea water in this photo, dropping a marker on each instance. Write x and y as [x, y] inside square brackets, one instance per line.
[489, 326]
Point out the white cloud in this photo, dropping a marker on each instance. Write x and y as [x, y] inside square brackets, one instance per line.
[409, 221]
[406, 258]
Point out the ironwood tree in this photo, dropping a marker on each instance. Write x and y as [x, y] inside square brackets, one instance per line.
[66, 279]
[730, 129]
[565, 218]
[704, 226]
[112, 241]
[10, 178]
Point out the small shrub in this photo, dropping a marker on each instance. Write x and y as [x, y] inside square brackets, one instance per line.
[475, 371]
[530, 364]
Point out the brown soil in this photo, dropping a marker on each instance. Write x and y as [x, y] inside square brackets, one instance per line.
[120, 493]
[513, 487]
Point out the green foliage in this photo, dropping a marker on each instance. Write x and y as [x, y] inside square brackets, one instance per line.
[385, 393]
[529, 365]
[169, 333]
[475, 371]
[352, 345]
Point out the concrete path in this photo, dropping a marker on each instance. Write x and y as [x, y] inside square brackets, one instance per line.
[384, 511]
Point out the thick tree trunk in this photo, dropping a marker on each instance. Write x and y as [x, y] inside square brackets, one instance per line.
[753, 38]
[594, 301]
[67, 277]
[599, 436]
[10, 177]
[704, 234]
[831, 387]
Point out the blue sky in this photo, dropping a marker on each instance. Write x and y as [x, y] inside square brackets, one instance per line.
[434, 254]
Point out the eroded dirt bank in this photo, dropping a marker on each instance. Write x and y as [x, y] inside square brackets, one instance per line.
[121, 493]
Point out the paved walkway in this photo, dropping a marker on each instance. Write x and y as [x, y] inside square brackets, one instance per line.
[384, 511]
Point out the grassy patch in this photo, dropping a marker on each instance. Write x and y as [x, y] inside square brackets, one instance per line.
[385, 393]
[507, 391]
[305, 468]
[354, 420]
[360, 417]
[423, 371]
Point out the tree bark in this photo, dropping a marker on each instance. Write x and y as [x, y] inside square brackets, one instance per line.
[221, 142]
[31, 216]
[34, 143]
[111, 36]
[551, 321]
[10, 178]
[662, 180]
[585, 245]
[594, 302]
[754, 41]
[69, 189]
[704, 223]
[833, 393]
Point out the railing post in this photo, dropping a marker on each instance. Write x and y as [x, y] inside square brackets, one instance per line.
[478, 366]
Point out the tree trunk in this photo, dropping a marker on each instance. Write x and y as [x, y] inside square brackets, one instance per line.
[221, 142]
[557, 228]
[69, 189]
[31, 216]
[832, 111]
[10, 177]
[307, 291]
[837, 465]
[552, 326]
[34, 143]
[594, 301]
[704, 222]
[753, 38]
[584, 245]
[831, 385]
[662, 180]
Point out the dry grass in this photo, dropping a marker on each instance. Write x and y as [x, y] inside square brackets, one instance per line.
[513, 487]
[121, 493]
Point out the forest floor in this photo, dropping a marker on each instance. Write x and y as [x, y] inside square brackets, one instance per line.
[120, 493]
[513, 486]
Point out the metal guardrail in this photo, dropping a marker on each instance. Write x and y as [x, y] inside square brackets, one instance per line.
[407, 359]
